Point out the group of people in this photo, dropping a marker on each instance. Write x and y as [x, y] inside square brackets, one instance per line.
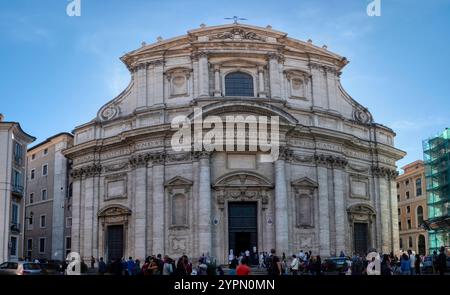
[158, 265]
[408, 263]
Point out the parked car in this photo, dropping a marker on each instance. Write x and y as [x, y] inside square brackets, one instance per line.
[20, 268]
[335, 264]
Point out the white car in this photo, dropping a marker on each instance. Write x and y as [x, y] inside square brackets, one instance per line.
[20, 268]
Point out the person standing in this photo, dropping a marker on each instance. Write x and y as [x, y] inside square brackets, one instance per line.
[434, 261]
[131, 266]
[405, 264]
[386, 266]
[243, 269]
[294, 265]
[274, 266]
[167, 267]
[233, 265]
[412, 261]
[92, 262]
[101, 266]
[417, 264]
[442, 261]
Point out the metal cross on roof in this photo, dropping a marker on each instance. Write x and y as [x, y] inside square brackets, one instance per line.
[235, 19]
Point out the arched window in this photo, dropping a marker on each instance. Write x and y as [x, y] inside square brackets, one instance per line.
[419, 215]
[179, 213]
[421, 245]
[239, 84]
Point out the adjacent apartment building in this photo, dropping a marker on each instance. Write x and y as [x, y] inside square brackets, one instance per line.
[437, 170]
[412, 208]
[13, 144]
[47, 209]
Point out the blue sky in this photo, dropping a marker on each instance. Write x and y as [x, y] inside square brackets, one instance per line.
[56, 71]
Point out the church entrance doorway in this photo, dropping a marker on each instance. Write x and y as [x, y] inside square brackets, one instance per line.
[243, 227]
[114, 242]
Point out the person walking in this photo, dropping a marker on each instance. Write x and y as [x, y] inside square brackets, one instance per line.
[101, 266]
[434, 261]
[294, 265]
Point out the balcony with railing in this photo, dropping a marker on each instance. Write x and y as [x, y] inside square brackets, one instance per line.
[15, 227]
[17, 189]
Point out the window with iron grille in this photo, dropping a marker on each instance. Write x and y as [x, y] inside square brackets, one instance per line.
[239, 84]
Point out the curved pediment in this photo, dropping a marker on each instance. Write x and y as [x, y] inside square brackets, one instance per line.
[361, 208]
[251, 107]
[114, 210]
[242, 179]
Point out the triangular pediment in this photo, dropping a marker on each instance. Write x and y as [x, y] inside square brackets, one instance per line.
[178, 181]
[304, 182]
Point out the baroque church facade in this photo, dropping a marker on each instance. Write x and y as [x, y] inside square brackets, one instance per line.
[331, 189]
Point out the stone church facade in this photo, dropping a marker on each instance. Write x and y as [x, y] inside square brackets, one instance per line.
[332, 188]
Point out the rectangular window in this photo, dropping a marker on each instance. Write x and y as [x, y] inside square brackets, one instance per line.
[18, 153]
[407, 195]
[418, 187]
[44, 195]
[17, 181]
[30, 223]
[13, 249]
[409, 223]
[399, 225]
[43, 221]
[68, 245]
[399, 211]
[408, 209]
[29, 248]
[32, 173]
[33, 156]
[41, 245]
[44, 170]
[15, 214]
[45, 152]
[31, 198]
[69, 222]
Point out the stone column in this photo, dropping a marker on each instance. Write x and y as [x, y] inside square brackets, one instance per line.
[158, 206]
[217, 91]
[204, 206]
[140, 213]
[281, 213]
[275, 76]
[384, 212]
[339, 204]
[203, 74]
[88, 213]
[76, 202]
[323, 210]
[261, 89]
[394, 213]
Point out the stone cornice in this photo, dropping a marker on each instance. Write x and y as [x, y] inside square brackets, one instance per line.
[380, 171]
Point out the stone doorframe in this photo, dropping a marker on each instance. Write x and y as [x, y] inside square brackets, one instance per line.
[242, 186]
[362, 213]
[113, 215]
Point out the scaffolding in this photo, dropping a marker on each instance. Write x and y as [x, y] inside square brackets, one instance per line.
[437, 176]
